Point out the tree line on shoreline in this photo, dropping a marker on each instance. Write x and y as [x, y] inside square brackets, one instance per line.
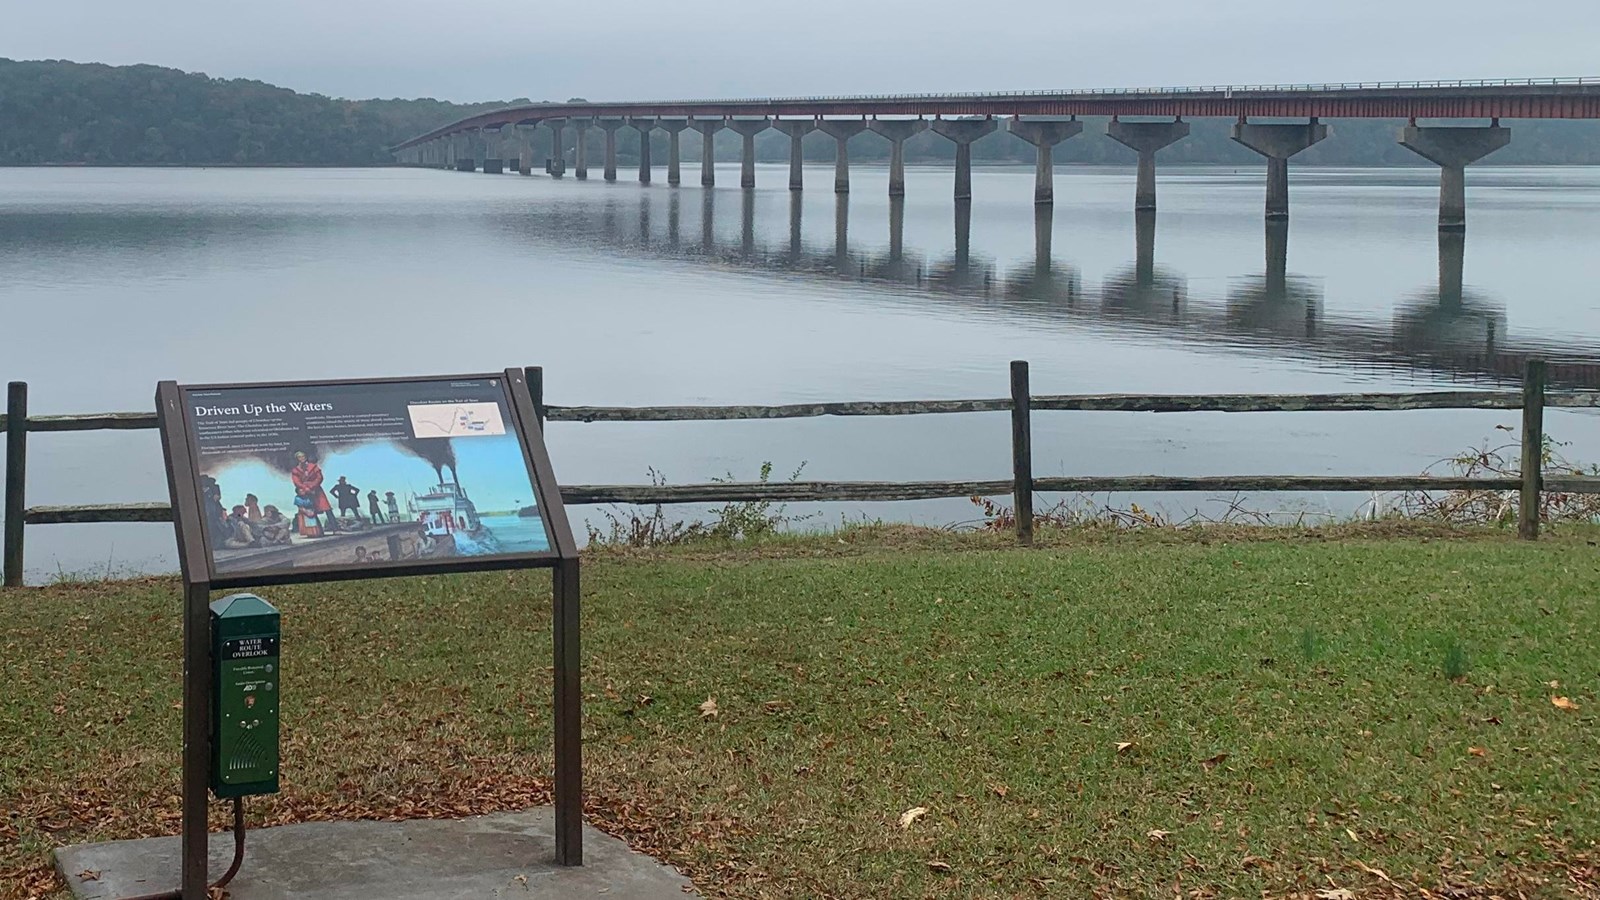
[57, 112]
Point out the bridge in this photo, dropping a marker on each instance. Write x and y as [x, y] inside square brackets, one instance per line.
[487, 141]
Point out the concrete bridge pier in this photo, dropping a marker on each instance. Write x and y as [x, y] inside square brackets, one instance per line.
[494, 162]
[1277, 143]
[1452, 150]
[508, 149]
[749, 128]
[1044, 135]
[480, 151]
[673, 127]
[963, 132]
[610, 126]
[896, 131]
[796, 129]
[644, 127]
[558, 146]
[580, 147]
[708, 129]
[841, 130]
[1145, 138]
[525, 149]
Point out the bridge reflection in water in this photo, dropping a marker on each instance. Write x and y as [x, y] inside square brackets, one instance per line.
[1446, 329]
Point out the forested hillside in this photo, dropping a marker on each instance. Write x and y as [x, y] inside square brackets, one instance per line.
[56, 112]
[65, 112]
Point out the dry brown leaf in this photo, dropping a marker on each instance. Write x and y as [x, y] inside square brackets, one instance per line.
[939, 865]
[1000, 790]
[1124, 746]
[1255, 862]
[89, 875]
[1156, 835]
[1477, 751]
[1352, 834]
[1335, 894]
[1371, 870]
[1552, 685]
[1213, 762]
[1563, 703]
[708, 709]
[911, 815]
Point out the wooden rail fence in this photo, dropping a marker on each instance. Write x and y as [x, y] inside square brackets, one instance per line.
[1532, 400]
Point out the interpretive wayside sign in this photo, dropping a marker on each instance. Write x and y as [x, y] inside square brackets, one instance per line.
[308, 482]
[354, 475]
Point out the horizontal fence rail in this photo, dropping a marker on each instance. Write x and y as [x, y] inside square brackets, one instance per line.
[1532, 400]
[1238, 403]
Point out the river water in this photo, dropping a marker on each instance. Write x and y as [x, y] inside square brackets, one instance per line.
[112, 279]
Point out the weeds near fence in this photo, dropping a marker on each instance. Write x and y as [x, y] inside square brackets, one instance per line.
[1485, 507]
[1083, 510]
[739, 521]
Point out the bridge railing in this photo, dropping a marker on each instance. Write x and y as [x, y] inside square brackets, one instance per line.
[1532, 400]
[1081, 92]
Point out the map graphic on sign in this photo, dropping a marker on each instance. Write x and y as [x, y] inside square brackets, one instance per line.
[457, 420]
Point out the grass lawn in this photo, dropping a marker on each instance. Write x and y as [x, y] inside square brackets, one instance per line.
[1213, 714]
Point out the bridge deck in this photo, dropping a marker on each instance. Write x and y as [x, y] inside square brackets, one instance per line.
[1546, 98]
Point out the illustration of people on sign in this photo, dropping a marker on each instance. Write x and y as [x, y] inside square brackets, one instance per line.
[310, 499]
[393, 504]
[373, 510]
[273, 529]
[349, 497]
[216, 515]
[238, 534]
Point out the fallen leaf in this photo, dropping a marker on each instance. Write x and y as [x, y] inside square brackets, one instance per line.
[1552, 685]
[1371, 870]
[1477, 751]
[89, 875]
[1255, 862]
[1352, 834]
[1563, 703]
[1156, 835]
[708, 709]
[1335, 894]
[521, 879]
[911, 815]
[1000, 790]
[938, 865]
[1124, 746]
[1212, 763]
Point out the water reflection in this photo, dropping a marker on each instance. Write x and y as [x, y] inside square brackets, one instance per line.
[1144, 290]
[1447, 328]
[1276, 302]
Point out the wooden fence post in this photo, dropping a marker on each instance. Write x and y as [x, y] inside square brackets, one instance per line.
[535, 378]
[1533, 384]
[1022, 451]
[16, 480]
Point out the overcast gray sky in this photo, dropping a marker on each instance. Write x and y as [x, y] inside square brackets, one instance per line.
[630, 49]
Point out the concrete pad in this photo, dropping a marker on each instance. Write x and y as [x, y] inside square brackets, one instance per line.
[502, 855]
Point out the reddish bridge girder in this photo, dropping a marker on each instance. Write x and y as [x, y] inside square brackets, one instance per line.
[1575, 99]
